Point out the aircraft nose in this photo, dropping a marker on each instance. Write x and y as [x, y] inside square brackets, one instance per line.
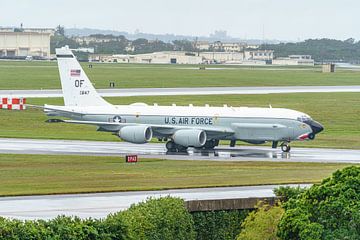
[315, 126]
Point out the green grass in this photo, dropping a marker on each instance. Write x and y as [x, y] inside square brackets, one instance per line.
[44, 75]
[338, 112]
[42, 174]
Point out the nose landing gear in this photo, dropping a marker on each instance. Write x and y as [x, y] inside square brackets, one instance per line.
[285, 147]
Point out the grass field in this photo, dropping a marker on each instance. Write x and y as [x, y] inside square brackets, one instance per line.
[42, 174]
[338, 112]
[44, 75]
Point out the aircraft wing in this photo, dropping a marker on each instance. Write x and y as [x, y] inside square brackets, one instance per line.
[157, 128]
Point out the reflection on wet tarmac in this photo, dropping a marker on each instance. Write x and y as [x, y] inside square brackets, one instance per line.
[232, 153]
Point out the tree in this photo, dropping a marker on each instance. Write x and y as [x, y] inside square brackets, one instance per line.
[60, 30]
[214, 225]
[261, 224]
[183, 45]
[163, 218]
[330, 210]
[320, 49]
[287, 192]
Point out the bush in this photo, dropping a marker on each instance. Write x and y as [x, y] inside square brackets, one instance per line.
[15, 229]
[330, 210]
[218, 225]
[286, 192]
[63, 228]
[261, 224]
[75, 228]
[164, 218]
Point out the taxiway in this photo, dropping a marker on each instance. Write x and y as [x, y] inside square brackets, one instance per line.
[127, 92]
[158, 150]
[99, 205]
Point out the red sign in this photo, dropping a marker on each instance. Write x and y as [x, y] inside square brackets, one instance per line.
[131, 158]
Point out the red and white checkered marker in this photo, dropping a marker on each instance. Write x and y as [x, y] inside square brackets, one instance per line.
[13, 103]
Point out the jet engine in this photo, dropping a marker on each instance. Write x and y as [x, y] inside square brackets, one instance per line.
[136, 134]
[190, 137]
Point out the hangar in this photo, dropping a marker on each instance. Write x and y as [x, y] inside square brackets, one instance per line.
[20, 42]
[156, 57]
[178, 57]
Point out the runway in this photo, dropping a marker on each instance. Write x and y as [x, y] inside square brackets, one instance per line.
[55, 93]
[157, 150]
[99, 205]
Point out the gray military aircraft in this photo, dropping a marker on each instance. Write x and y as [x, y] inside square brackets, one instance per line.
[180, 126]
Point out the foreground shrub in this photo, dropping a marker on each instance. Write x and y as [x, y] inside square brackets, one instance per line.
[287, 192]
[330, 210]
[15, 229]
[164, 218]
[63, 228]
[215, 225]
[261, 224]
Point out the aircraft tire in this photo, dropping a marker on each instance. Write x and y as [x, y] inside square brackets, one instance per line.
[181, 148]
[170, 146]
[210, 145]
[285, 148]
[173, 147]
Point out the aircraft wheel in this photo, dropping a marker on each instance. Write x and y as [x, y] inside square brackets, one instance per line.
[285, 147]
[311, 136]
[181, 148]
[171, 146]
[211, 144]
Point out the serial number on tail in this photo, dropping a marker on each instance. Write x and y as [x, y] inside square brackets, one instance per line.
[189, 120]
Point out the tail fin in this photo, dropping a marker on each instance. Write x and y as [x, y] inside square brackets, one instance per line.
[76, 86]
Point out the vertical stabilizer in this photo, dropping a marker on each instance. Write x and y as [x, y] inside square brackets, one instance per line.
[76, 86]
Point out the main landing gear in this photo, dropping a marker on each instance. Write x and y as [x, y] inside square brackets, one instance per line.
[209, 145]
[285, 147]
[173, 147]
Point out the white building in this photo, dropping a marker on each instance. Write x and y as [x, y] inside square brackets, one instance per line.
[27, 42]
[233, 47]
[294, 60]
[170, 57]
[202, 45]
[262, 55]
[222, 57]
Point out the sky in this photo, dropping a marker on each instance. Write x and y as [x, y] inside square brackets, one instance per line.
[288, 20]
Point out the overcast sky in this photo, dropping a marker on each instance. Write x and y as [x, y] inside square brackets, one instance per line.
[273, 19]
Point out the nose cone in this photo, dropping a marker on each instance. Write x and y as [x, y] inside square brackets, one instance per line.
[315, 126]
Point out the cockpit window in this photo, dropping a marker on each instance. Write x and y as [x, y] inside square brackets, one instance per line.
[304, 118]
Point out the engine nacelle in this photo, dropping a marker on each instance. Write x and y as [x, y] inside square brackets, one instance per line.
[190, 137]
[136, 134]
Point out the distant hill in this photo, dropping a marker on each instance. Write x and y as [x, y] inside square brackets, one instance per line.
[164, 37]
[322, 50]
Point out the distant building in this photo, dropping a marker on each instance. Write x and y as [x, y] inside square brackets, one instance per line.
[252, 46]
[170, 57]
[178, 57]
[85, 50]
[219, 46]
[97, 38]
[24, 42]
[233, 47]
[222, 57]
[262, 55]
[202, 45]
[294, 60]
